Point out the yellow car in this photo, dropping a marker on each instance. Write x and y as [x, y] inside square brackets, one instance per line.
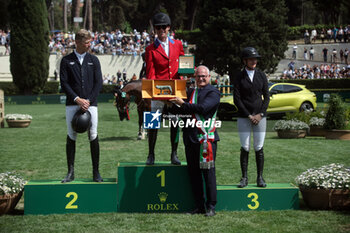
[284, 97]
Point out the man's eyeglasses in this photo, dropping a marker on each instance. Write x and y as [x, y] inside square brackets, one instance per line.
[161, 27]
[201, 76]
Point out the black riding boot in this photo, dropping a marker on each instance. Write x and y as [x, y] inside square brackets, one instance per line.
[95, 157]
[70, 152]
[152, 138]
[259, 155]
[244, 167]
[174, 143]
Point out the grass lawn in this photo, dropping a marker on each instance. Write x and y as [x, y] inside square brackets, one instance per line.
[38, 152]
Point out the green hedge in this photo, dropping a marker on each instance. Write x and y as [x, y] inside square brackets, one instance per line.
[319, 83]
[52, 87]
[297, 32]
[190, 36]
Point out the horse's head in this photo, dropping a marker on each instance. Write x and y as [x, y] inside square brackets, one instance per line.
[122, 104]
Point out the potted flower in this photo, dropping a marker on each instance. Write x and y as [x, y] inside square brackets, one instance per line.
[326, 187]
[11, 189]
[316, 125]
[336, 119]
[18, 120]
[291, 128]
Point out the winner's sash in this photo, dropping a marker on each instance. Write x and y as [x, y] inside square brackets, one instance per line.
[205, 137]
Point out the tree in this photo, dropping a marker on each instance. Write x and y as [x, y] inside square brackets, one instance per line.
[229, 26]
[29, 59]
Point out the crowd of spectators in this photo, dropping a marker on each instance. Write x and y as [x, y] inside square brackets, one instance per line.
[323, 71]
[5, 40]
[331, 34]
[116, 42]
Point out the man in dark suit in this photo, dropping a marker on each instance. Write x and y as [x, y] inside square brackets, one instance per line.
[162, 62]
[201, 142]
[81, 80]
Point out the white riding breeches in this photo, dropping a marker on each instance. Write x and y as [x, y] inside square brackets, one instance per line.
[245, 126]
[70, 111]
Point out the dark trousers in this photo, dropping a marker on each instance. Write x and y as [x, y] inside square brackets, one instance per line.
[196, 177]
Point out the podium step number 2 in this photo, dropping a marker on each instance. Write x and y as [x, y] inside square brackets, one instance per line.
[79, 196]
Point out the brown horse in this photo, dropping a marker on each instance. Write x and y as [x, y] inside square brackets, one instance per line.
[123, 96]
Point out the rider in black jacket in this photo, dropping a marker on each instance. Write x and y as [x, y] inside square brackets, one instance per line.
[251, 96]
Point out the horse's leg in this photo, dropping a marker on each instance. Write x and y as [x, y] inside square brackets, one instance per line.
[174, 139]
[152, 138]
[140, 113]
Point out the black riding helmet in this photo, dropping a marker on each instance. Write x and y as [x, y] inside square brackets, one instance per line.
[249, 52]
[161, 19]
[81, 121]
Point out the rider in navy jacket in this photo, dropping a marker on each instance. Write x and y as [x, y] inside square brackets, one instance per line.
[83, 80]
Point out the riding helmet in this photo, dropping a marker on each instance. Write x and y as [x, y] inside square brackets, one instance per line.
[81, 121]
[161, 19]
[249, 52]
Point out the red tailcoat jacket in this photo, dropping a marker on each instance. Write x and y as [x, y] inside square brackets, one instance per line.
[158, 64]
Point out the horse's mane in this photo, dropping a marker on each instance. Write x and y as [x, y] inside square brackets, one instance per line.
[133, 85]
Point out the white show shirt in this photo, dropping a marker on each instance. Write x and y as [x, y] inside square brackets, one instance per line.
[250, 74]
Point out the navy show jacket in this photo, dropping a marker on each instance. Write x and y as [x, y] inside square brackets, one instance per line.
[83, 80]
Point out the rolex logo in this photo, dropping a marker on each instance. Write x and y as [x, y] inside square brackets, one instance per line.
[162, 197]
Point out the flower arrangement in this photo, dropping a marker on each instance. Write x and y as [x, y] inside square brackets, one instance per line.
[17, 116]
[332, 176]
[282, 125]
[11, 183]
[316, 121]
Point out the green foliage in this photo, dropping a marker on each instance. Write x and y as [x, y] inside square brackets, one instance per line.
[10, 88]
[229, 26]
[304, 116]
[29, 44]
[192, 37]
[297, 32]
[335, 117]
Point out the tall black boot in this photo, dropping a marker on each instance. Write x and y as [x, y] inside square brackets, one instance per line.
[174, 143]
[244, 167]
[95, 157]
[70, 152]
[259, 156]
[152, 138]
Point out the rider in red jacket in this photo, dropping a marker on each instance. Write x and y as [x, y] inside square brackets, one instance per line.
[162, 62]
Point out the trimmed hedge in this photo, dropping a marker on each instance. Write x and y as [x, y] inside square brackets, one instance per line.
[52, 87]
[319, 83]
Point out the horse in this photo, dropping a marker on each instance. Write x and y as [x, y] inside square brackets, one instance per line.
[123, 96]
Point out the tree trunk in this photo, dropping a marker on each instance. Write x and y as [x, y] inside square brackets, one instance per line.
[90, 15]
[192, 8]
[75, 12]
[65, 23]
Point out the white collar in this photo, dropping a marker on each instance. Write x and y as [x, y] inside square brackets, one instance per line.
[79, 55]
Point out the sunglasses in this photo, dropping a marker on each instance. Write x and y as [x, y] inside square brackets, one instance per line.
[161, 27]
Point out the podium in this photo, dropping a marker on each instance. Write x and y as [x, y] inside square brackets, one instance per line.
[159, 188]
